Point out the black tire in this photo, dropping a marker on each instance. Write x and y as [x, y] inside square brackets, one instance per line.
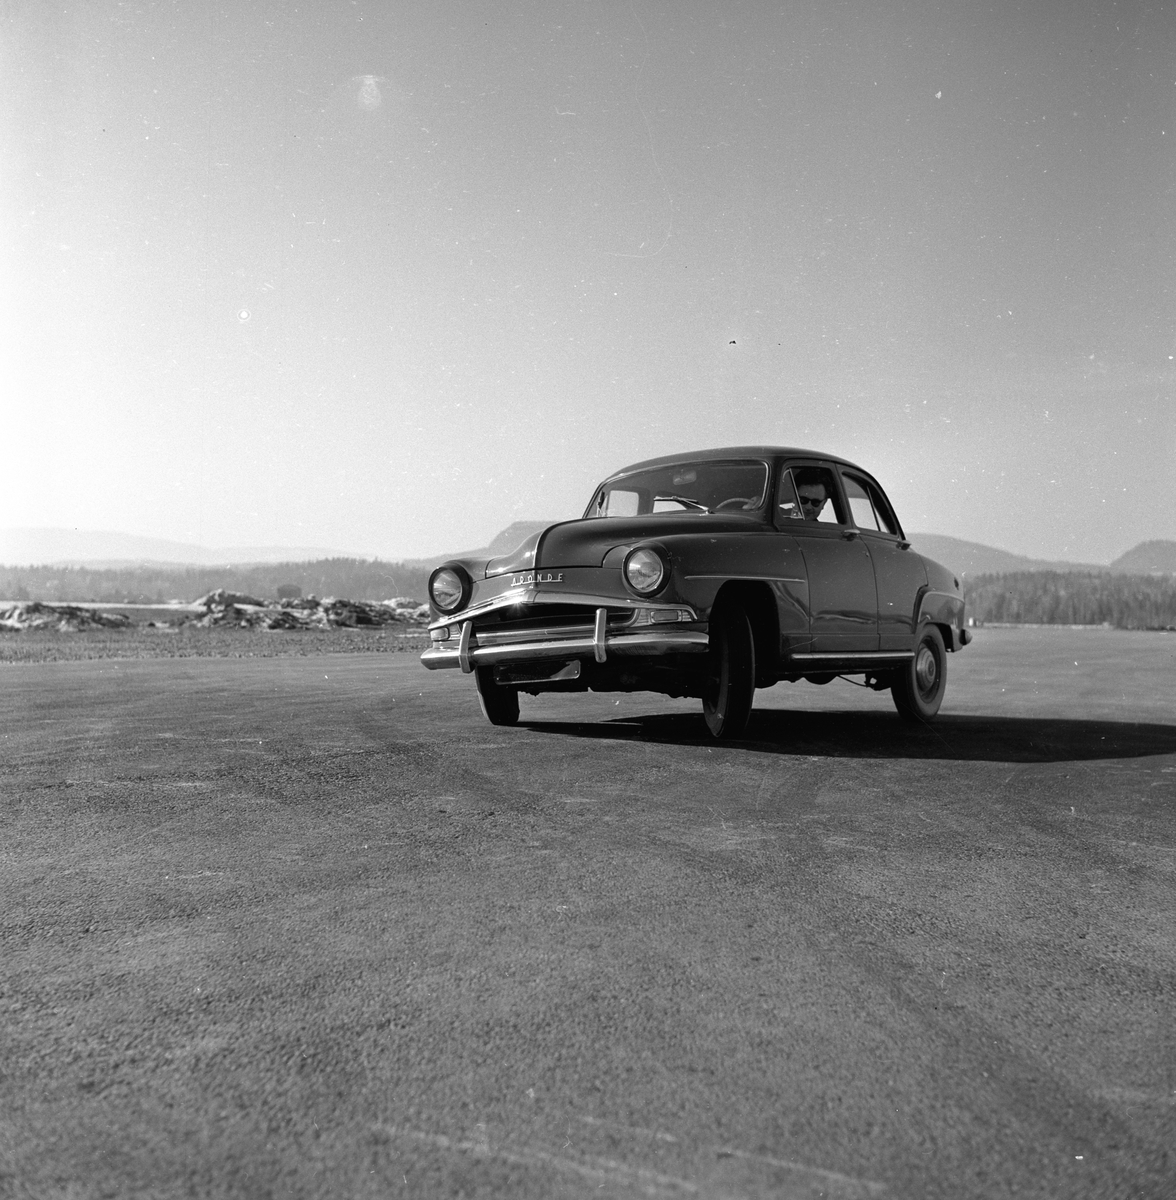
[919, 686]
[500, 705]
[730, 673]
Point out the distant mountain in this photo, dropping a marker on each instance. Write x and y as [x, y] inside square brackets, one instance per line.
[973, 558]
[103, 548]
[1148, 558]
[98, 549]
[106, 550]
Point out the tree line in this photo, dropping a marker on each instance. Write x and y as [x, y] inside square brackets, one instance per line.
[1033, 597]
[1074, 598]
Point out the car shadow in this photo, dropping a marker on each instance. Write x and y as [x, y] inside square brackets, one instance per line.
[885, 735]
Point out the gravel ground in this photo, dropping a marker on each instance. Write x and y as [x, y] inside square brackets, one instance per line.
[306, 926]
[39, 646]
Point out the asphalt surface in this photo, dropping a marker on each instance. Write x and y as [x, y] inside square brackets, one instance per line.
[309, 927]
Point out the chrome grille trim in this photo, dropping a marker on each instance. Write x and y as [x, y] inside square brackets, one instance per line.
[463, 649]
[660, 641]
[598, 630]
[526, 596]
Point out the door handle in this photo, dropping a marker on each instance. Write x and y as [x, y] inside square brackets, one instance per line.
[849, 534]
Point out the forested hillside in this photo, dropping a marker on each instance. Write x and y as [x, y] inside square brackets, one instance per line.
[353, 578]
[1070, 598]
[158, 583]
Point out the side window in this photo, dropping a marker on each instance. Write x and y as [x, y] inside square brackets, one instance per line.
[622, 504]
[817, 495]
[861, 508]
[886, 518]
[867, 504]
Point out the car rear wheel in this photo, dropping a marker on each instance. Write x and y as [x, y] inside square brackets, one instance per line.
[919, 685]
[730, 681]
[500, 705]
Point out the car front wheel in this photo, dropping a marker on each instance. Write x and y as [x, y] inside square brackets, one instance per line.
[500, 705]
[919, 686]
[730, 681]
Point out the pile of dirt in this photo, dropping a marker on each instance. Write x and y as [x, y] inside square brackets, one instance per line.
[222, 608]
[67, 618]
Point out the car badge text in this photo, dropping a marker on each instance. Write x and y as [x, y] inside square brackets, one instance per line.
[535, 577]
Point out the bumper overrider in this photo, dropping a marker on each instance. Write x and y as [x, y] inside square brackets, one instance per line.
[616, 626]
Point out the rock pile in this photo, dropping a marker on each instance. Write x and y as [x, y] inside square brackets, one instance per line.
[225, 609]
[410, 610]
[66, 618]
[221, 598]
[222, 608]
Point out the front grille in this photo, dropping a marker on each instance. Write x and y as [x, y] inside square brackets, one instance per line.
[537, 616]
[545, 622]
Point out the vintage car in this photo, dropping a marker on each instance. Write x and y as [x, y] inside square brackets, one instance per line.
[709, 575]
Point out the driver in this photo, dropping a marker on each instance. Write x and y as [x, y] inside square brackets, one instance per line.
[812, 494]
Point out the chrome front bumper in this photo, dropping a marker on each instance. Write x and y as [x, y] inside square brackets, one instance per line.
[467, 654]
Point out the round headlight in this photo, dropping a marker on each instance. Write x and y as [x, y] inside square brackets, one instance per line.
[448, 589]
[645, 571]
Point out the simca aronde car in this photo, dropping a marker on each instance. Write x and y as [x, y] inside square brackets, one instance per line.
[708, 575]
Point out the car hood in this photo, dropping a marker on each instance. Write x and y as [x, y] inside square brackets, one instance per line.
[585, 543]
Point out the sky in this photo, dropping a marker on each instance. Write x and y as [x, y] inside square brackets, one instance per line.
[386, 276]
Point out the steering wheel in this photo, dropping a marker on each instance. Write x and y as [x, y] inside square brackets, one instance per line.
[736, 502]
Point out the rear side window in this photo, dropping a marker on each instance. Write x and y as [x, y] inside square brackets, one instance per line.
[860, 507]
[867, 506]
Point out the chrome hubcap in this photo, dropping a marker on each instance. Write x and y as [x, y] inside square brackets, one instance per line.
[926, 669]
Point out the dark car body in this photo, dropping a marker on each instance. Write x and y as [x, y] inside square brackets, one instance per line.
[752, 591]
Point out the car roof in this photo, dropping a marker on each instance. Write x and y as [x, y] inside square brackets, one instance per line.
[735, 452]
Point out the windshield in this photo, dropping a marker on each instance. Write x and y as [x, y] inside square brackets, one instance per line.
[726, 485]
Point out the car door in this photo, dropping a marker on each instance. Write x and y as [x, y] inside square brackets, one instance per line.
[842, 596]
[898, 573]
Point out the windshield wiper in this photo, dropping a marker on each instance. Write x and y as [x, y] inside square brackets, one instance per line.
[692, 504]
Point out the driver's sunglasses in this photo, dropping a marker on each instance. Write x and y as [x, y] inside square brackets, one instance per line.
[813, 501]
